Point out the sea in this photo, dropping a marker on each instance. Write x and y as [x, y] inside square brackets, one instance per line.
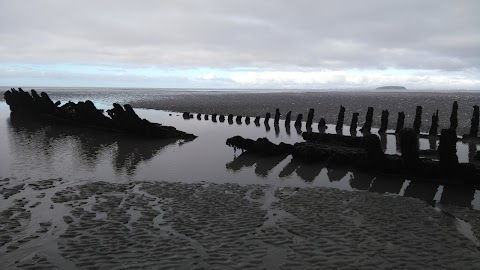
[81, 172]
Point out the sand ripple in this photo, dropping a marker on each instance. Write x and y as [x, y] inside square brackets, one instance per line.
[51, 224]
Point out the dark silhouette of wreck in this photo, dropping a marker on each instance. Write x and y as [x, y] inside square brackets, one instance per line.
[85, 114]
[366, 153]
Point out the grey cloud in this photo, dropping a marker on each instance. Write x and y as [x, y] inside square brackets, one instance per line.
[317, 34]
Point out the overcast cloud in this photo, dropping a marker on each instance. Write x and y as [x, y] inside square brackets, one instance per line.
[431, 43]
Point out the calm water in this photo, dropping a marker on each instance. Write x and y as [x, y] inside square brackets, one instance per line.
[31, 150]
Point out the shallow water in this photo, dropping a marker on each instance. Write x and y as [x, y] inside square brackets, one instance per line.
[74, 198]
[34, 150]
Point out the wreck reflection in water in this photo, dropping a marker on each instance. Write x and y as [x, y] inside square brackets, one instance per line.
[43, 151]
[357, 180]
[39, 144]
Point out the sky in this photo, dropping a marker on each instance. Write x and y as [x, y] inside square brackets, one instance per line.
[428, 44]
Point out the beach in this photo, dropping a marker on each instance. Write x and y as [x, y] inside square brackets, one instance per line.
[240, 135]
[253, 103]
[82, 199]
[159, 225]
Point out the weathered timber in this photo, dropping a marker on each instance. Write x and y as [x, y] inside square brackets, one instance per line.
[370, 158]
[277, 116]
[334, 139]
[354, 123]
[417, 123]
[267, 117]
[448, 150]
[238, 119]
[384, 121]
[473, 123]
[454, 116]
[257, 121]
[368, 121]
[310, 116]
[400, 122]
[298, 122]
[375, 156]
[288, 118]
[120, 119]
[261, 145]
[409, 148]
[340, 118]
[434, 127]
[308, 152]
[322, 125]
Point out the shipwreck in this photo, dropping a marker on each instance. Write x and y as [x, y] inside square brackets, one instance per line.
[119, 119]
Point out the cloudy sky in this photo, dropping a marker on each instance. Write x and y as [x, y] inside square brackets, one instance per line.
[240, 44]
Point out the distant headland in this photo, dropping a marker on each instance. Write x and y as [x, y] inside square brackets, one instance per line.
[391, 87]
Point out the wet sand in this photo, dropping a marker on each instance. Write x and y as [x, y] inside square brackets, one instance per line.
[258, 102]
[200, 205]
[57, 224]
[325, 103]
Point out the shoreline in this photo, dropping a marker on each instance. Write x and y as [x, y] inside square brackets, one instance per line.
[81, 221]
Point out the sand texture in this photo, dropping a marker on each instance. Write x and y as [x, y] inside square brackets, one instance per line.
[56, 224]
[326, 105]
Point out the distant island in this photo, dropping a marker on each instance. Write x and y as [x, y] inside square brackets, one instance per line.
[391, 87]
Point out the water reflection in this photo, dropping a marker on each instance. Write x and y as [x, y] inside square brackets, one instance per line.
[422, 190]
[277, 129]
[264, 164]
[384, 184]
[129, 153]
[357, 180]
[309, 171]
[361, 180]
[458, 195]
[291, 167]
[287, 129]
[267, 126]
[243, 160]
[38, 144]
[75, 152]
[298, 129]
[336, 173]
[292, 170]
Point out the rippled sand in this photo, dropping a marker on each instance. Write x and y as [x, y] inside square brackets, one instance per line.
[56, 224]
